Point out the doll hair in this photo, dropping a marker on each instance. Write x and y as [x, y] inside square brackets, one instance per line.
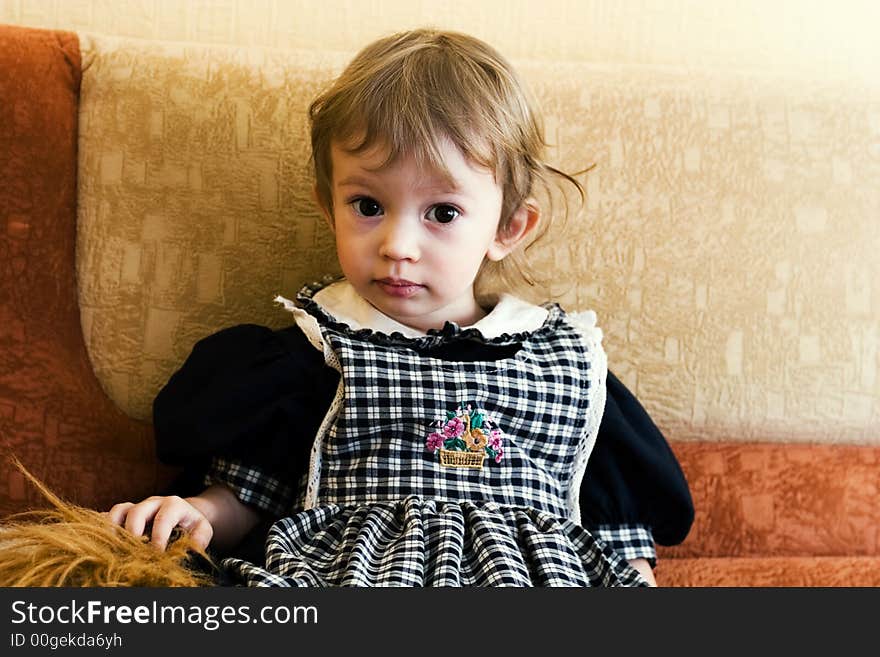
[69, 545]
[409, 91]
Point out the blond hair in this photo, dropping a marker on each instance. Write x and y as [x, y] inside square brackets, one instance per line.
[410, 91]
[69, 545]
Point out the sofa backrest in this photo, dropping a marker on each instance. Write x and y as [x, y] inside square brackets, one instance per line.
[728, 242]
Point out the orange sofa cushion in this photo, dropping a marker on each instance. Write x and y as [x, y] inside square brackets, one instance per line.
[774, 500]
[769, 514]
[53, 414]
[769, 571]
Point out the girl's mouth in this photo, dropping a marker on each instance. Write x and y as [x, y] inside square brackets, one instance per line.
[399, 287]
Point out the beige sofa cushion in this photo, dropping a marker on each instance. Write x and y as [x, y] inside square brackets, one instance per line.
[728, 244]
[193, 210]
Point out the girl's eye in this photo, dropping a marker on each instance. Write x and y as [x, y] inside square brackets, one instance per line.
[366, 207]
[443, 214]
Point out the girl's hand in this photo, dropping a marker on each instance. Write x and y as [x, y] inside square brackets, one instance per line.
[165, 513]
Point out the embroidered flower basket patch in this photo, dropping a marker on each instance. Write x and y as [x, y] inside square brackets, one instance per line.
[465, 438]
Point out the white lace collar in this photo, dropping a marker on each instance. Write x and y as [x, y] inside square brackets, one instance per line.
[509, 315]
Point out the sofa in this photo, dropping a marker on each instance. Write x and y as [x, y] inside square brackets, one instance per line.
[728, 243]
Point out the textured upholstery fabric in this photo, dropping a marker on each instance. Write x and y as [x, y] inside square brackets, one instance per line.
[770, 514]
[770, 571]
[771, 500]
[194, 203]
[53, 414]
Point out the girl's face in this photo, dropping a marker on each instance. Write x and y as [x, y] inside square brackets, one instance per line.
[409, 239]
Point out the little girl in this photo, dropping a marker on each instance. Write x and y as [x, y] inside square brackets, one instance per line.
[404, 432]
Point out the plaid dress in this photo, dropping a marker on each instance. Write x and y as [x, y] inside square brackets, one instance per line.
[387, 504]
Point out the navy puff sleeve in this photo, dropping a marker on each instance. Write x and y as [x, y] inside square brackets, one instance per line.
[632, 476]
[246, 394]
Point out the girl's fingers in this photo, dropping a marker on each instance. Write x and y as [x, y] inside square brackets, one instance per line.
[118, 512]
[200, 531]
[165, 513]
[140, 514]
[174, 512]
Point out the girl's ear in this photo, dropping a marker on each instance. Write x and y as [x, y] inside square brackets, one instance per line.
[523, 222]
[328, 216]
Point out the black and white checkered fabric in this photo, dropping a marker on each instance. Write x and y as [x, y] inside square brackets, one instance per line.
[389, 514]
[631, 541]
[375, 451]
[416, 542]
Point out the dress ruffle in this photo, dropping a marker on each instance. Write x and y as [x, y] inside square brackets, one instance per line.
[450, 331]
[416, 542]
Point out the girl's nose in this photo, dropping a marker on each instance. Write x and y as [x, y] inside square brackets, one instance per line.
[399, 239]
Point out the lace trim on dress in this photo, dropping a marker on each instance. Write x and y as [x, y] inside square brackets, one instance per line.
[314, 479]
[308, 324]
[312, 330]
[585, 322]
